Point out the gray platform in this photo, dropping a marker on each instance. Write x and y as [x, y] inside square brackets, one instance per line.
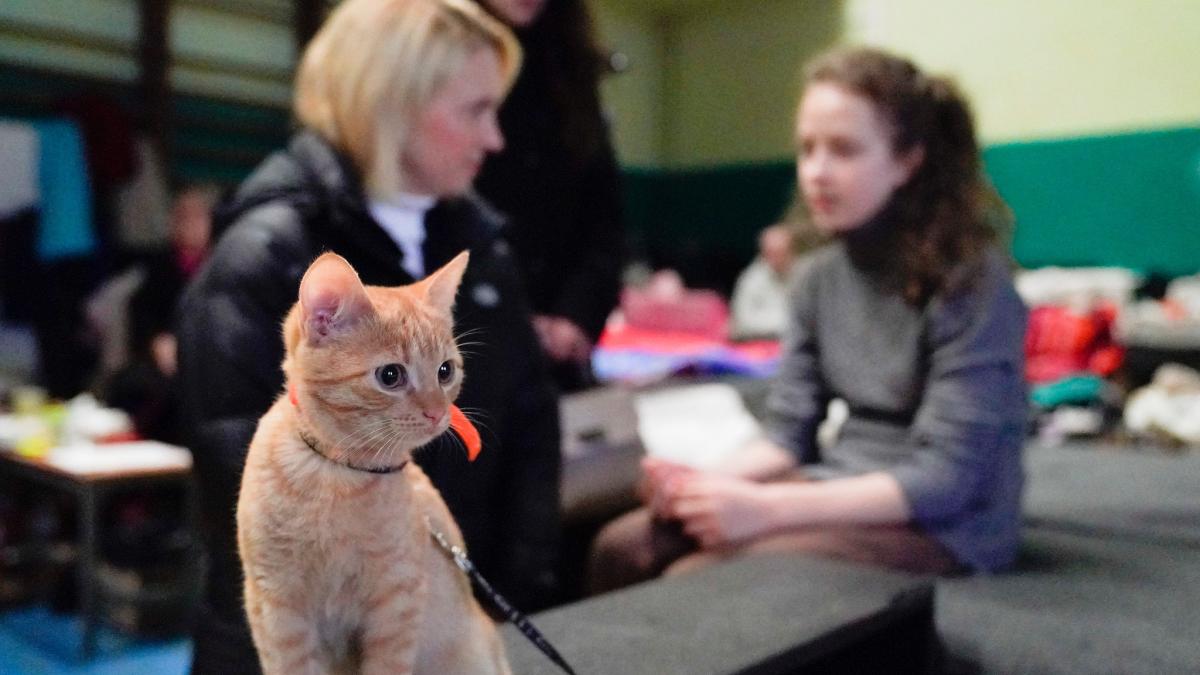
[768, 614]
[1108, 579]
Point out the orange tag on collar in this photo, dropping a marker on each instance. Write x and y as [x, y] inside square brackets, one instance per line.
[292, 395]
[466, 431]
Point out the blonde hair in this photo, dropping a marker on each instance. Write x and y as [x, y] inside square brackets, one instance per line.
[375, 64]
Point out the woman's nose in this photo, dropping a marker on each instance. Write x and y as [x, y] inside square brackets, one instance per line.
[814, 166]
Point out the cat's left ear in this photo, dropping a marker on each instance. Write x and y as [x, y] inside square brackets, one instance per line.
[332, 299]
[441, 286]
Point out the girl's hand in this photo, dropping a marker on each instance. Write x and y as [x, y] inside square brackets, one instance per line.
[719, 510]
[659, 478]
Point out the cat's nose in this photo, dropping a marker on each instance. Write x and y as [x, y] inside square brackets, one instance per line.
[431, 415]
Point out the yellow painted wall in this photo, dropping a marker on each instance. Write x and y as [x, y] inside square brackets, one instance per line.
[732, 77]
[709, 82]
[726, 77]
[633, 98]
[1051, 68]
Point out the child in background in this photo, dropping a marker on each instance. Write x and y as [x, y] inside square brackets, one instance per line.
[759, 303]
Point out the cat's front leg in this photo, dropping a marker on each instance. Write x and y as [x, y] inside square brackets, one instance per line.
[285, 638]
[391, 629]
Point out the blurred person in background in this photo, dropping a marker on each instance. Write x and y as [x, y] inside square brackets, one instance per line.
[145, 386]
[557, 181]
[758, 308]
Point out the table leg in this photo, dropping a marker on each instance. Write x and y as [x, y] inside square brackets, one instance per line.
[86, 571]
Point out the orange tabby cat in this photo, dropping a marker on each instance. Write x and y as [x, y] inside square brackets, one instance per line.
[341, 574]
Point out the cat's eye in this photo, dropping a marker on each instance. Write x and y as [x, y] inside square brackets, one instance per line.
[391, 376]
[445, 372]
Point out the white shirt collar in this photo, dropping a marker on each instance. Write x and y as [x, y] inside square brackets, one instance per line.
[402, 216]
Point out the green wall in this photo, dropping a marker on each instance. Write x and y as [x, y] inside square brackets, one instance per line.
[702, 222]
[1131, 200]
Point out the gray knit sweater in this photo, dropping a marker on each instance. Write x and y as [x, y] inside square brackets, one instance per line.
[936, 393]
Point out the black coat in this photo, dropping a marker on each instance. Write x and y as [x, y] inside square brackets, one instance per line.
[301, 202]
[563, 207]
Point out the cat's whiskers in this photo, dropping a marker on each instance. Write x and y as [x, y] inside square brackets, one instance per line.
[465, 346]
[361, 433]
[384, 442]
[466, 334]
[380, 441]
[374, 442]
[456, 440]
[363, 436]
[476, 416]
[469, 411]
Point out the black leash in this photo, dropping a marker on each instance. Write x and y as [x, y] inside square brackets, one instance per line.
[498, 601]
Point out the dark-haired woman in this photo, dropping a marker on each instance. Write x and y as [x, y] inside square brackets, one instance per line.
[907, 313]
[557, 181]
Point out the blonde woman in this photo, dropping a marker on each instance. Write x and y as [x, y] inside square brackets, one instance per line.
[397, 101]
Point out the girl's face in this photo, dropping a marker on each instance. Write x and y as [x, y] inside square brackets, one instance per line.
[456, 130]
[516, 13]
[846, 164]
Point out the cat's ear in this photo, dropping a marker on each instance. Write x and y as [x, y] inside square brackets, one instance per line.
[441, 286]
[332, 298]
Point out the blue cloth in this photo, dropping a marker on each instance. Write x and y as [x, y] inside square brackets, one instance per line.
[66, 229]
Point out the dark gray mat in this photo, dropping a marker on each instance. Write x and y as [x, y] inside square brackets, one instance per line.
[1104, 491]
[1077, 604]
[723, 619]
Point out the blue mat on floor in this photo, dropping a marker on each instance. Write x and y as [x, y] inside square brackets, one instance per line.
[36, 641]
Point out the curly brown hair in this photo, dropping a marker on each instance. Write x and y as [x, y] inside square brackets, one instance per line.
[948, 213]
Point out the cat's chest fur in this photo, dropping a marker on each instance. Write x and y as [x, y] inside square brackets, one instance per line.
[337, 534]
